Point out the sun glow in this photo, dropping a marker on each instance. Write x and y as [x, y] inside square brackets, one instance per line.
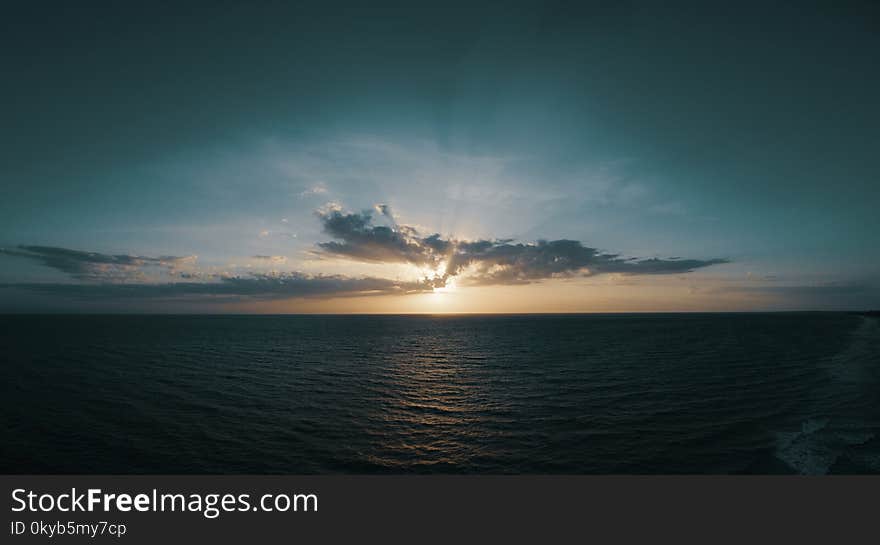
[449, 287]
[441, 283]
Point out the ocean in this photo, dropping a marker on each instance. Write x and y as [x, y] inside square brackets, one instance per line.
[526, 394]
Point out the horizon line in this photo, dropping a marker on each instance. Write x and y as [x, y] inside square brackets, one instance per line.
[574, 313]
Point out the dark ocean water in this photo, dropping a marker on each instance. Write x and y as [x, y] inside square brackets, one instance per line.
[753, 393]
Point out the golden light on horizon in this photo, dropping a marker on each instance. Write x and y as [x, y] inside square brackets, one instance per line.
[595, 294]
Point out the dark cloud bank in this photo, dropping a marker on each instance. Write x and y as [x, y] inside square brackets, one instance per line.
[486, 262]
[96, 266]
[357, 237]
[256, 286]
[122, 276]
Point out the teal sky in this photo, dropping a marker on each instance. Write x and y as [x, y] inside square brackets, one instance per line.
[738, 136]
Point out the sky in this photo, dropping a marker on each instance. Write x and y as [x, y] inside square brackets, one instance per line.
[439, 157]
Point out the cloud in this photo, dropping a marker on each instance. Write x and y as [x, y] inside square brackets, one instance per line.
[359, 239]
[266, 233]
[97, 266]
[275, 259]
[317, 189]
[499, 261]
[106, 276]
[357, 236]
[818, 296]
[829, 289]
[255, 286]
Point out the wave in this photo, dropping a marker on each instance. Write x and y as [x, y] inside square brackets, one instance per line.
[804, 451]
[852, 363]
[823, 440]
